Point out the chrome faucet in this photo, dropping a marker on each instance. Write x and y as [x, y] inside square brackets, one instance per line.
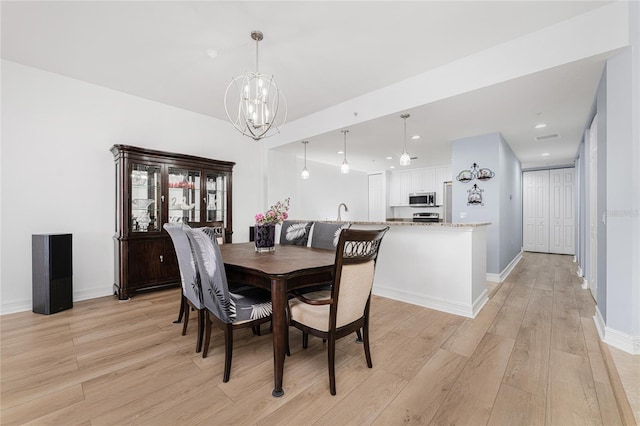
[346, 209]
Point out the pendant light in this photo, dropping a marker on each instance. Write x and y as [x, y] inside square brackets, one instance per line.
[256, 106]
[305, 172]
[345, 166]
[405, 159]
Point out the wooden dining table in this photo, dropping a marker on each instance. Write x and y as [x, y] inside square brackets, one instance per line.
[287, 268]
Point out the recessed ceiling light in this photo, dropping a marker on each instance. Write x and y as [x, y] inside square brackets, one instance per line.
[212, 53]
[340, 152]
[389, 158]
[392, 167]
[545, 154]
[414, 137]
[539, 123]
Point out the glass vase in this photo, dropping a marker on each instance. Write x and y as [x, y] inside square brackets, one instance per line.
[264, 237]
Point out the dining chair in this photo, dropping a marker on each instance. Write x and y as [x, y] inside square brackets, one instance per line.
[344, 309]
[229, 311]
[295, 233]
[191, 297]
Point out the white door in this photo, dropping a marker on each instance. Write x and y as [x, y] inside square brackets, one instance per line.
[592, 189]
[535, 210]
[561, 211]
[376, 198]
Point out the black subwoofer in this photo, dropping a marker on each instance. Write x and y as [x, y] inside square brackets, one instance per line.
[52, 273]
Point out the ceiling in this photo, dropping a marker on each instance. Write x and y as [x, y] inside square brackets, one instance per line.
[322, 54]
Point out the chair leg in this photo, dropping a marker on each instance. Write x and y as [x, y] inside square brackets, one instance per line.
[200, 330]
[186, 319]
[365, 340]
[331, 355]
[359, 337]
[305, 340]
[182, 302]
[207, 334]
[228, 352]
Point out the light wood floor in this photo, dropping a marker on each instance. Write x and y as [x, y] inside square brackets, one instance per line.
[531, 357]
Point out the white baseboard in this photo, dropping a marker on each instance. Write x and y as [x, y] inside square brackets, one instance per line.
[616, 338]
[579, 272]
[585, 284]
[448, 306]
[498, 278]
[22, 305]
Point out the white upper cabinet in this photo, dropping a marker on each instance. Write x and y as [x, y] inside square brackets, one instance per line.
[404, 182]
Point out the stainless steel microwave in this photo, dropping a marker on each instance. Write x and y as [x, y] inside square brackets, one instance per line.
[422, 199]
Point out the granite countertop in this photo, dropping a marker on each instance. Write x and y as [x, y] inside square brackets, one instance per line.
[410, 222]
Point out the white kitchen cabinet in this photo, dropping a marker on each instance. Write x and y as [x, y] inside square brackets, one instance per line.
[428, 179]
[400, 187]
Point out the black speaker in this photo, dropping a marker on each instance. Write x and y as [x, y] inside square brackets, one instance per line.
[52, 273]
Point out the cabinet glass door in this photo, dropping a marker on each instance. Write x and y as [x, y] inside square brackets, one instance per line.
[145, 198]
[184, 195]
[216, 198]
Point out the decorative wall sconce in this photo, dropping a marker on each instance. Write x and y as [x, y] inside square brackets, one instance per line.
[475, 196]
[475, 172]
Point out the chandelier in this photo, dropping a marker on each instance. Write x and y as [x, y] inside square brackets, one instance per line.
[253, 102]
[405, 159]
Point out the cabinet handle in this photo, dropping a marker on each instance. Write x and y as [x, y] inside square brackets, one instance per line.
[162, 198]
[161, 258]
[204, 200]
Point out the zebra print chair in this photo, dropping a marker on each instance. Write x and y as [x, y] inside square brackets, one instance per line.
[189, 277]
[229, 311]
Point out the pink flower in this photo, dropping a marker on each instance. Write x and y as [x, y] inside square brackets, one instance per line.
[276, 214]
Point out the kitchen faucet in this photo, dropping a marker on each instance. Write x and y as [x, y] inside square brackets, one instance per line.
[346, 209]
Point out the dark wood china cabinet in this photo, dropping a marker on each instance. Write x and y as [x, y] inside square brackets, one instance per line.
[153, 188]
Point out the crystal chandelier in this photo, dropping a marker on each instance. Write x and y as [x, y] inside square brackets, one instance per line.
[253, 102]
[405, 159]
[305, 171]
[345, 166]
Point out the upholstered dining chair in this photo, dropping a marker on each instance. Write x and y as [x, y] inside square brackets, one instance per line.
[189, 277]
[229, 311]
[344, 309]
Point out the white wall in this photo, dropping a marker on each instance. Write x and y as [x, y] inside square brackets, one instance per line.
[59, 176]
[318, 197]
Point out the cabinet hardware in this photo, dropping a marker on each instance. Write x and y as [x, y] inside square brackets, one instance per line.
[162, 198]
[161, 258]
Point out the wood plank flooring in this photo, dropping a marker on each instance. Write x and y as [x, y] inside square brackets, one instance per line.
[531, 357]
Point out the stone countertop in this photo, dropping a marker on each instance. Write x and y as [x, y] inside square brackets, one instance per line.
[409, 222]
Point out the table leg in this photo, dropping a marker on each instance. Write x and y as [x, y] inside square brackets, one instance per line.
[280, 330]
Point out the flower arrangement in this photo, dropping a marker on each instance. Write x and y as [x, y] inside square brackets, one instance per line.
[276, 214]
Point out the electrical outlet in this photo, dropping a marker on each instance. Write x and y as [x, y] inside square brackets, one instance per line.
[463, 215]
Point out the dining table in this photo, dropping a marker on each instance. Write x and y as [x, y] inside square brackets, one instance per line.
[287, 268]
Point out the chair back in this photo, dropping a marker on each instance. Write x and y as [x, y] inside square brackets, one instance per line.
[325, 235]
[356, 255]
[189, 276]
[215, 288]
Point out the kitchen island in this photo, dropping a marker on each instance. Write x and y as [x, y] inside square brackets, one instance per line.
[436, 265]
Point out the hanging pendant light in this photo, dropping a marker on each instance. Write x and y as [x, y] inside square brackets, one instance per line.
[253, 102]
[305, 172]
[345, 166]
[405, 159]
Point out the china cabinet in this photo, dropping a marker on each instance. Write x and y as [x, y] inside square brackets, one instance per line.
[156, 187]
